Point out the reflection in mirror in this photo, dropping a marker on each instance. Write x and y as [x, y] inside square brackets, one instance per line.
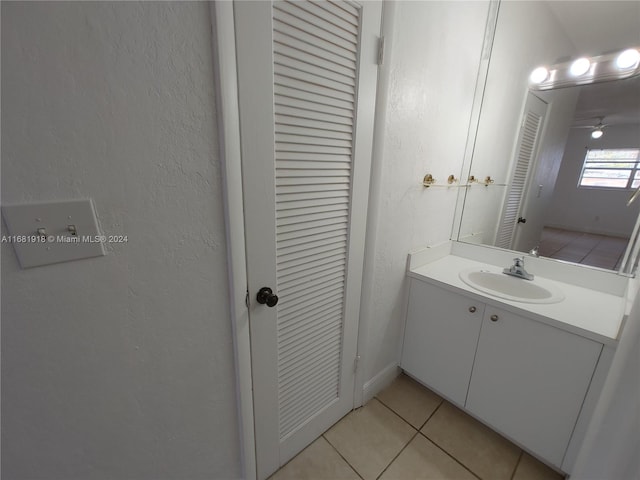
[534, 143]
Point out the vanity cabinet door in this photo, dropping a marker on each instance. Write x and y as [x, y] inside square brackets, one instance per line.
[440, 339]
[529, 381]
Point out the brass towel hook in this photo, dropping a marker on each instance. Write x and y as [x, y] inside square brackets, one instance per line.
[428, 180]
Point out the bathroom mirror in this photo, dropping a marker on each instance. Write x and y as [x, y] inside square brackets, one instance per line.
[586, 224]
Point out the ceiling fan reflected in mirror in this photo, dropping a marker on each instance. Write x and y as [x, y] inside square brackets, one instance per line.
[597, 130]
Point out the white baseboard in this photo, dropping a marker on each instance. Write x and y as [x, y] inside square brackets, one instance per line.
[380, 381]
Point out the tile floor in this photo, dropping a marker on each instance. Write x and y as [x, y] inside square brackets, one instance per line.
[585, 248]
[408, 432]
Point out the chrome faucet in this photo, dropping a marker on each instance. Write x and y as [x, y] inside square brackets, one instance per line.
[517, 269]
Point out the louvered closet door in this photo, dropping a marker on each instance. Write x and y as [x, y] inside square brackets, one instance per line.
[526, 151]
[307, 71]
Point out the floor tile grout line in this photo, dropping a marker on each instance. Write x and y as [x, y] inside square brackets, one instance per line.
[394, 412]
[394, 458]
[432, 414]
[451, 456]
[342, 457]
[515, 469]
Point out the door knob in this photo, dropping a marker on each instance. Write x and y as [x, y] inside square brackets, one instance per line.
[266, 295]
[522, 220]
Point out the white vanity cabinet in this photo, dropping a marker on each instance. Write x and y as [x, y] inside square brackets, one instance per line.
[440, 339]
[529, 381]
[524, 378]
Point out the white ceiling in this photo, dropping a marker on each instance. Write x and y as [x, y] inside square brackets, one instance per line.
[595, 28]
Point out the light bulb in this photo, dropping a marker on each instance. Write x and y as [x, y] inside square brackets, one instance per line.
[539, 75]
[580, 67]
[597, 133]
[628, 59]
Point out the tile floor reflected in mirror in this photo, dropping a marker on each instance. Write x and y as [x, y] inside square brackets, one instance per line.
[408, 432]
[585, 248]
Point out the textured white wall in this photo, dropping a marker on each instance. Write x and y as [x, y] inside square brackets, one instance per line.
[430, 71]
[121, 366]
[611, 444]
[593, 210]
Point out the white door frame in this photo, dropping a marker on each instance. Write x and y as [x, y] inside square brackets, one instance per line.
[227, 108]
[228, 119]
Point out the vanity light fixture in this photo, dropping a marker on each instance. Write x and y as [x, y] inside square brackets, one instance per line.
[579, 67]
[628, 59]
[597, 133]
[585, 70]
[539, 75]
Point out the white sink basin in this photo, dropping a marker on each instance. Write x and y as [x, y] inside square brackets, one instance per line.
[510, 287]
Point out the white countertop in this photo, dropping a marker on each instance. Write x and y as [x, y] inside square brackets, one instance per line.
[589, 313]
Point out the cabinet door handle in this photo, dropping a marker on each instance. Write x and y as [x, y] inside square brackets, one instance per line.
[494, 318]
[472, 309]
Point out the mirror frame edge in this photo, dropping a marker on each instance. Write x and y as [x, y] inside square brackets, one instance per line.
[476, 109]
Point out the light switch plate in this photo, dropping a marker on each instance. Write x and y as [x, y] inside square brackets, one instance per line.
[53, 232]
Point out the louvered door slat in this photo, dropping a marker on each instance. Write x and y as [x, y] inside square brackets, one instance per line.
[289, 258]
[291, 272]
[297, 351]
[314, 102]
[287, 190]
[297, 100]
[288, 209]
[348, 7]
[298, 251]
[296, 315]
[306, 237]
[295, 165]
[338, 12]
[320, 150]
[315, 281]
[300, 232]
[287, 198]
[303, 210]
[324, 378]
[288, 387]
[313, 115]
[291, 13]
[306, 241]
[309, 318]
[316, 129]
[294, 88]
[330, 16]
[329, 84]
[303, 58]
[287, 153]
[318, 280]
[294, 279]
[293, 26]
[308, 122]
[296, 227]
[301, 305]
[312, 403]
[308, 357]
[304, 42]
[319, 141]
